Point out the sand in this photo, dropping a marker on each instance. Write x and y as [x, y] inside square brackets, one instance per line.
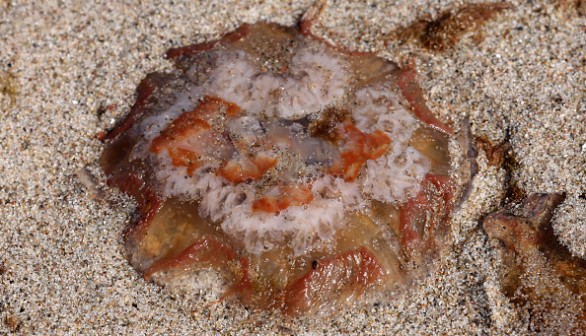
[69, 69]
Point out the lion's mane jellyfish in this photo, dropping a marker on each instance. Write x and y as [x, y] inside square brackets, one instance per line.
[302, 173]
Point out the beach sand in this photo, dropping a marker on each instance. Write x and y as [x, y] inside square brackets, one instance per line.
[69, 69]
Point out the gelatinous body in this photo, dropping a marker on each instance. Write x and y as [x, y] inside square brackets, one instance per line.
[304, 174]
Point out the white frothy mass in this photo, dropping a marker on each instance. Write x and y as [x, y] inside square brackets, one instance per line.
[318, 79]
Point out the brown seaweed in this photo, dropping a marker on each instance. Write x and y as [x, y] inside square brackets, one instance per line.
[447, 29]
[540, 275]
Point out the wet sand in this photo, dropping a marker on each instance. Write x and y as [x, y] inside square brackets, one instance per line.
[68, 71]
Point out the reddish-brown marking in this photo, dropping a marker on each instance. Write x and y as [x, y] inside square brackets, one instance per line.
[288, 196]
[101, 135]
[414, 94]
[342, 275]
[191, 124]
[419, 210]
[148, 202]
[144, 91]
[243, 286]
[203, 253]
[357, 148]
[247, 168]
